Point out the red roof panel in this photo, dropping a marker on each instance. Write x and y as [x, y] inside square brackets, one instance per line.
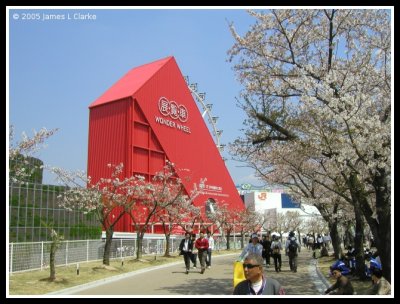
[130, 82]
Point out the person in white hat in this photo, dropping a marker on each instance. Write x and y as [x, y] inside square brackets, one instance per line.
[253, 247]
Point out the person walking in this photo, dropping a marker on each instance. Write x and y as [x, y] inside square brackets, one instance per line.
[193, 256]
[291, 249]
[276, 247]
[202, 246]
[253, 247]
[256, 282]
[266, 243]
[185, 248]
[210, 240]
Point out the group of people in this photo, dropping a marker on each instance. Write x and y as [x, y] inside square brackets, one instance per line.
[266, 249]
[343, 286]
[372, 260]
[190, 249]
[253, 256]
[345, 266]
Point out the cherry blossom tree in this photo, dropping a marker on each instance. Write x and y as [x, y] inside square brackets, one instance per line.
[165, 192]
[20, 151]
[317, 91]
[107, 199]
[171, 203]
[193, 217]
[294, 221]
[174, 214]
[250, 221]
[225, 219]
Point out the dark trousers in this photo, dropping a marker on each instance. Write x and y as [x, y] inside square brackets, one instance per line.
[193, 258]
[277, 261]
[292, 261]
[186, 258]
[202, 258]
[267, 257]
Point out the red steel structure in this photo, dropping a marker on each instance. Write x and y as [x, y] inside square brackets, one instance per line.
[147, 117]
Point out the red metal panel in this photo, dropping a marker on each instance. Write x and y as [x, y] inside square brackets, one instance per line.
[154, 143]
[138, 114]
[107, 142]
[107, 137]
[157, 161]
[141, 135]
[140, 160]
[188, 143]
[131, 82]
[144, 132]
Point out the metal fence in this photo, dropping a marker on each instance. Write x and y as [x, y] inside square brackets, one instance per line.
[36, 255]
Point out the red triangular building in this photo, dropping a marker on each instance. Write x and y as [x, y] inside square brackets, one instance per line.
[148, 116]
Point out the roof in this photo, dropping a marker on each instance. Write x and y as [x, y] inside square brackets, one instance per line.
[131, 82]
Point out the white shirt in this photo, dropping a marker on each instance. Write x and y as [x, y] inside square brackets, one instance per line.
[186, 245]
[257, 249]
[257, 286]
[211, 243]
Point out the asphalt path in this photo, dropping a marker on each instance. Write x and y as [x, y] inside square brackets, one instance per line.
[171, 279]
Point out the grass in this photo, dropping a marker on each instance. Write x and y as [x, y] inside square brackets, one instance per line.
[37, 283]
[360, 286]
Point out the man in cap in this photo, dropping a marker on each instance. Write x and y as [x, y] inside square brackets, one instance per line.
[253, 247]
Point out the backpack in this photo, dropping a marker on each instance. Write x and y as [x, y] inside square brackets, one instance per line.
[292, 246]
[276, 249]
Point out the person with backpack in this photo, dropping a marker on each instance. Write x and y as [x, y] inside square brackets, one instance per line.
[276, 248]
[291, 251]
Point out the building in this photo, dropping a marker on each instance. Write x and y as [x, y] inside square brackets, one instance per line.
[33, 208]
[273, 201]
[148, 117]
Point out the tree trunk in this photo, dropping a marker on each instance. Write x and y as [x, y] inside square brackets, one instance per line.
[384, 247]
[383, 237]
[331, 219]
[107, 246]
[380, 224]
[242, 240]
[336, 242]
[167, 240]
[348, 235]
[228, 236]
[53, 249]
[359, 244]
[139, 245]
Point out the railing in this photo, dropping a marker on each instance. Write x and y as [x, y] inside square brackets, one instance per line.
[36, 255]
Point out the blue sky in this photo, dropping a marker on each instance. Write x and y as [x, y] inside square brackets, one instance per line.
[58, 67]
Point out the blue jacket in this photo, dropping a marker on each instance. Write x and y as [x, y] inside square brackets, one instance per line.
[342, 266]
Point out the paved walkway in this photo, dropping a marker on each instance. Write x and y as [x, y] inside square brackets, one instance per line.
[170, 279]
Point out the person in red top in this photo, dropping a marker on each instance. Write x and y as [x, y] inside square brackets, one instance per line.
[202, 245]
